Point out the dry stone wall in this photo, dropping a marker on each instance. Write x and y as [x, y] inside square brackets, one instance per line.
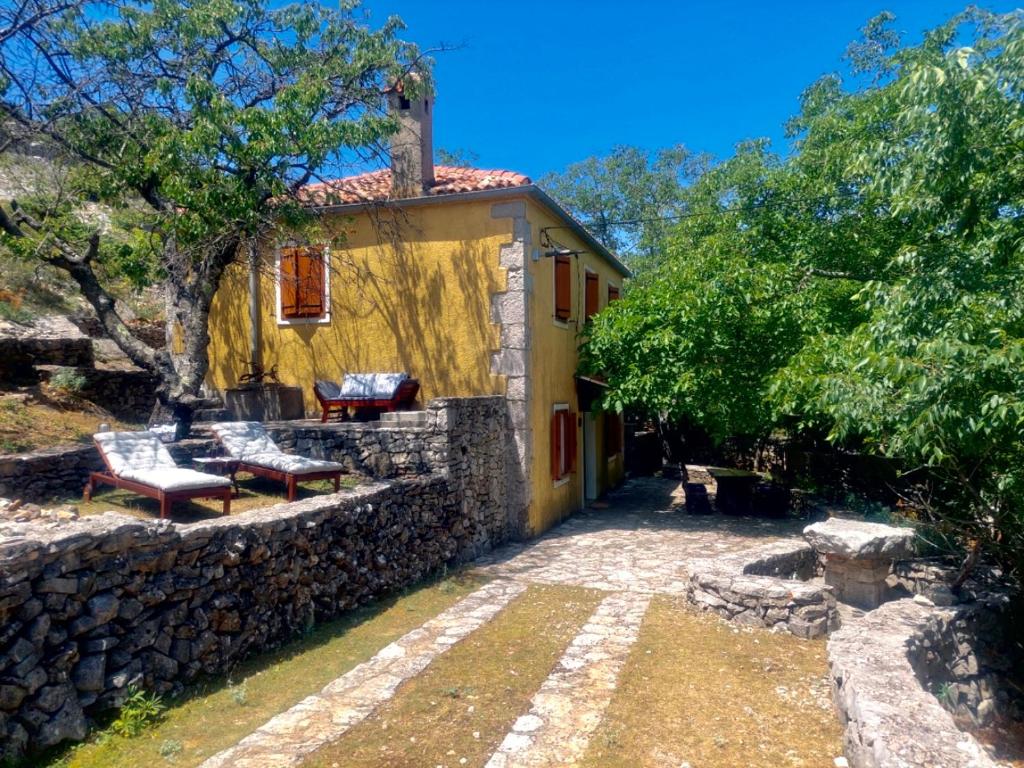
[91, 606]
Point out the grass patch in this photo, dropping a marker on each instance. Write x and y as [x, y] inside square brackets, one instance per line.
[459, 709]
[698, 691]
[30, 425]
[218, 713]
[254, 492]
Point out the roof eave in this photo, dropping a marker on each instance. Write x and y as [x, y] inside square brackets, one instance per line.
[528, 190]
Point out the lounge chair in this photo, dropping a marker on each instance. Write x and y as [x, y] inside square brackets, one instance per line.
[381, 391]
[249, 443]
[140, 463]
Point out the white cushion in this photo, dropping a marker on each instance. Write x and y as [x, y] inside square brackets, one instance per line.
[174, 478]
[133, 451]
[296, 465]
[242, 439]
[328, 389]
[381, 386]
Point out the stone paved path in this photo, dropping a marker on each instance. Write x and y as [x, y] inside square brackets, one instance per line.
[636, 547]
[288, 738]
[569, 705]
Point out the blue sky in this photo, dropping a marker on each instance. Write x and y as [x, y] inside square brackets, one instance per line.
[534, 86]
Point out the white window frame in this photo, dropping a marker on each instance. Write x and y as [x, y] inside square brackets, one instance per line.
[325, 318]
[564, 480]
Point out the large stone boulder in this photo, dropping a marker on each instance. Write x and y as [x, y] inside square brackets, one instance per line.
[858, 540]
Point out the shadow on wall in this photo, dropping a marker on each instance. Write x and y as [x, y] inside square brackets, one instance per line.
[406, 303]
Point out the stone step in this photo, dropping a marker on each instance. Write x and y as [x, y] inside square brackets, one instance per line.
[404, 419]
[214, 414]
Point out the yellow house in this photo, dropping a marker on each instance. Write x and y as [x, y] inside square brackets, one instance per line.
[474, 282]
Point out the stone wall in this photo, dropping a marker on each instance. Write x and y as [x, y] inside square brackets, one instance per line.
[91, 606]
[891, 719]
[766, 587]
[19, 356]
[126, 395]
[61, 473]
[87, 608]
[972, 659]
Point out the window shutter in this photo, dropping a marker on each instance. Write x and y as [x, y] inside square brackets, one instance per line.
[570, 419]
[563, 287]
[289, 282]
[311, 282]
[592, 294]
[613, 293]
[556, 445]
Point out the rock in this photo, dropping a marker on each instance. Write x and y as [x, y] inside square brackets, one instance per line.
[68, 723]
[103, 607]
[858, 540]
[89, 673]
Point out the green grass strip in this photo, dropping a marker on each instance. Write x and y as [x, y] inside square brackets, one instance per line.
[457, 711]
[218, 713]
[699, 691]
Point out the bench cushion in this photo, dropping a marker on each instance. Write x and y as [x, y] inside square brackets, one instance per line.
[328, 389]
[242, 439]
[126, 451]
[174, 478]
[375, 386]
[291, 464]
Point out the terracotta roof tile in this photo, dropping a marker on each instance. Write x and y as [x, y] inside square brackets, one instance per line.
[376, 185]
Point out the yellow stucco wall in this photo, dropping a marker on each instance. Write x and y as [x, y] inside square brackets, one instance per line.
[554, 360]
[409, 290]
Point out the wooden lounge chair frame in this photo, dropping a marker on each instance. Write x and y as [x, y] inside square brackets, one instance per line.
[291, 480]
[403, 398]
[166, 498]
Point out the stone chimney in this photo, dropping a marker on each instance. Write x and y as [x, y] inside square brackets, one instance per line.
[412, 148]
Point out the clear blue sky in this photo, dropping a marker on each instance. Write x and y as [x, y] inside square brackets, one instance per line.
[535, 85]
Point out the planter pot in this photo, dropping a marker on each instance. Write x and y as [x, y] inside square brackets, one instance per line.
[274, 402]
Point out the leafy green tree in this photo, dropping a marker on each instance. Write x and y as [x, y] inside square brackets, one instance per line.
[195, 124]
[935, 376]
[623, 198]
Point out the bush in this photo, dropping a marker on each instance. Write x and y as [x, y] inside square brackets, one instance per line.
[140, 710]
[68, 380]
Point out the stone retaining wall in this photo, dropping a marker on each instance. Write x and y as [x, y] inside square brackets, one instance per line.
[969, 658]
[126, 395]
[87, 608]
[60, 473]
[19, 356]
[764, 587]
[890, 719]
[90, 606]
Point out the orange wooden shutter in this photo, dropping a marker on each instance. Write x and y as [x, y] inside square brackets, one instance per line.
[613, 293]
[563, 287]
[311, 282]
[570, 425]
[556, 445]
[591, 294]
[289, 282]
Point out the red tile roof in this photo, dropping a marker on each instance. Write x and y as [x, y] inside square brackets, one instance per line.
[376, 186]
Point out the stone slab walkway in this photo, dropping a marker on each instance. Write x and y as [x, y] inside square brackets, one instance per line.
[288, 738]
[570, 703]
[637, 546]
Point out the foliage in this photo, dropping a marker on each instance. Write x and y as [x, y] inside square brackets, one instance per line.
[139, 710]
[68, 380]
[868, 287]
[187, 131]
[457, 158]
[623, 198]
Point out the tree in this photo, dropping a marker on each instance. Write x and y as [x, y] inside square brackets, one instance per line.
[197, 124]
[868, 288]
[624, 198]
[935, 375]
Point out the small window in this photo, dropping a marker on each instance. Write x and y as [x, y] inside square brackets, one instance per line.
[404, 103]
[612, 434]
[592, 295]
[613, 293]
[563, 288]
[303, 283]
[563, 443]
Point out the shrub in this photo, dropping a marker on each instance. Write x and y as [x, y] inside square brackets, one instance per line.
[68, 380]
[140, 710]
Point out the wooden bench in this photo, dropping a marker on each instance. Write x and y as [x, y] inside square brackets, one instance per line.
[403, 398]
